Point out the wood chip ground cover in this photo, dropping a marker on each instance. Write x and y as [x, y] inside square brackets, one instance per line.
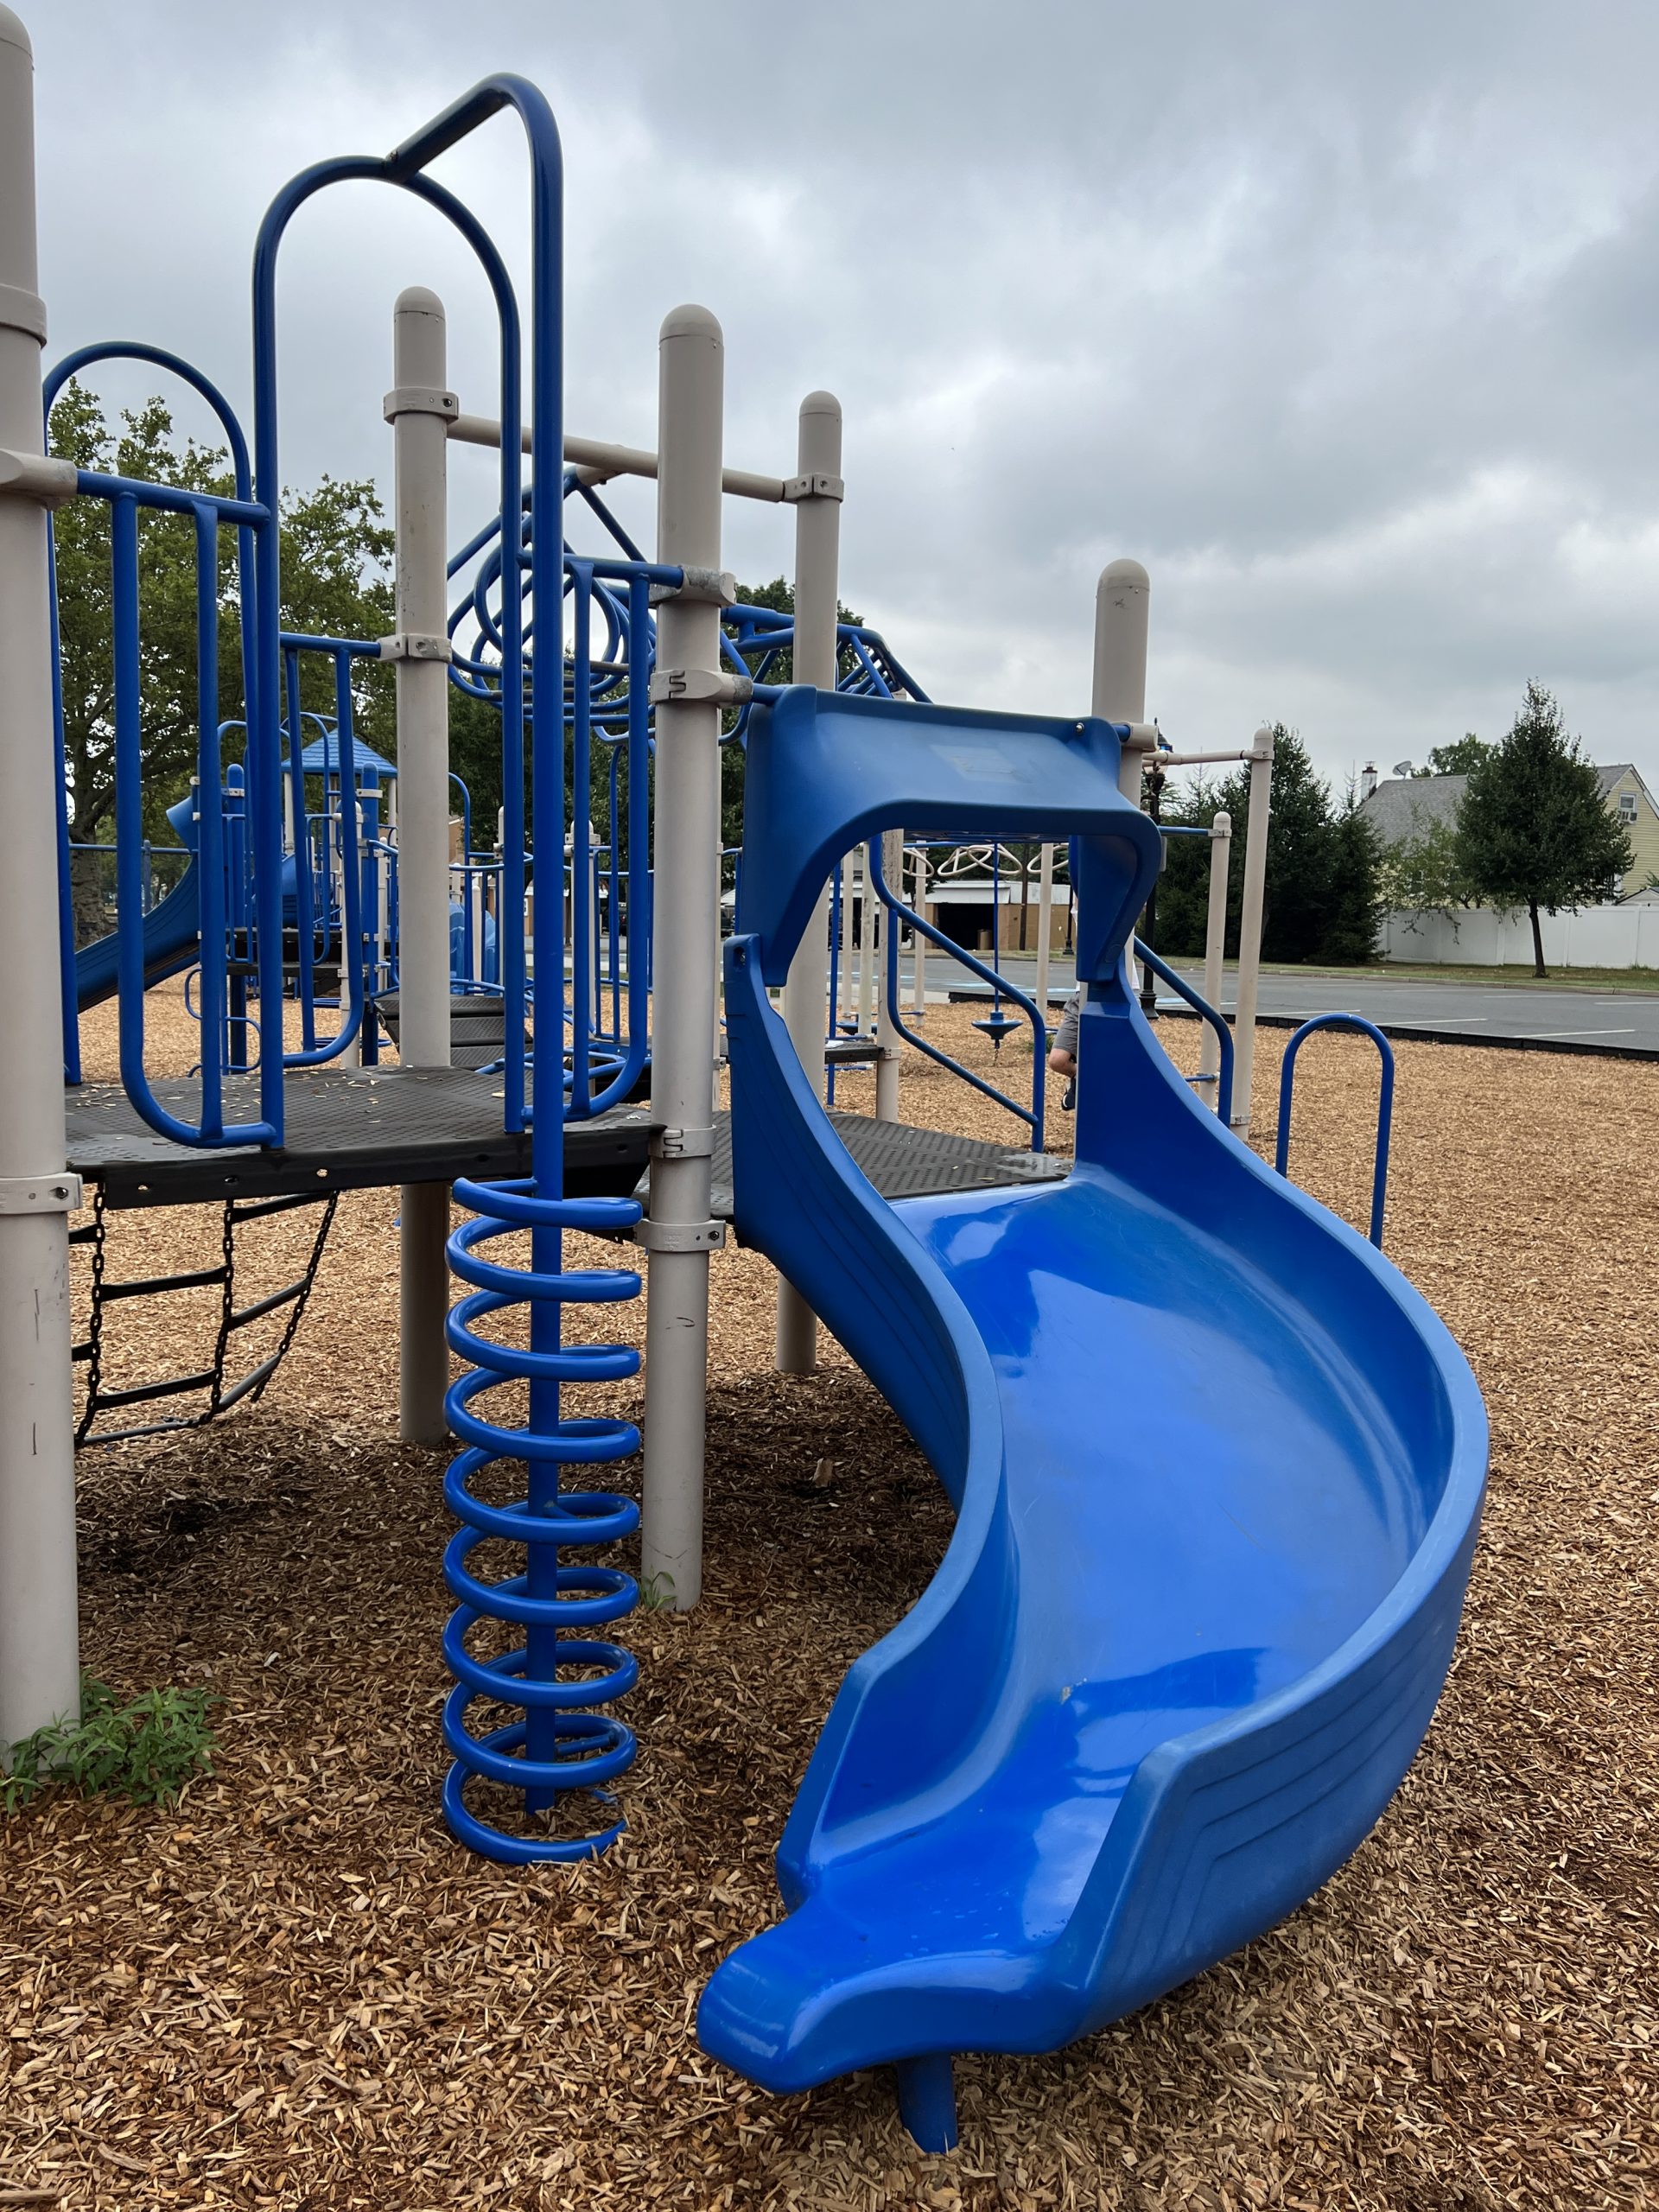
[293, 1991]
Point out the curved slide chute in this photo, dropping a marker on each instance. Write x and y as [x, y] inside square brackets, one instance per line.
[1218, 1471]
[172, 929]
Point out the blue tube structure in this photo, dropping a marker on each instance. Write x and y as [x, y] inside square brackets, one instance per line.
[1384, 1105]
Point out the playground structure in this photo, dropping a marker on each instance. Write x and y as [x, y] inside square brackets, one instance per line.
[1168, 1373]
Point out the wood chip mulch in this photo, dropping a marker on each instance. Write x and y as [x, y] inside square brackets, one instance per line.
[293, 1991]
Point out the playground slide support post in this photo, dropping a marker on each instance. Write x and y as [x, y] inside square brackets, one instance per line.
[1249, 923]
[418, 407]
[1215, 935]
[39, 1670]
[918, 900]
[1122, 614]
[879, 921]
[678, 1234]
[1045, 925]
[818, 586]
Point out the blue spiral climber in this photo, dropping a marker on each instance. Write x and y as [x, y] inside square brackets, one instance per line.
[562, 1744]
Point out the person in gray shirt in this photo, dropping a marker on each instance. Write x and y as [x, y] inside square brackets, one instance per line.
[1062, 1052]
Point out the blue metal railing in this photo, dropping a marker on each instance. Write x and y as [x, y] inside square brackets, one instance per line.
[1183, 989]
[1033, 1115]
[1384, 1105]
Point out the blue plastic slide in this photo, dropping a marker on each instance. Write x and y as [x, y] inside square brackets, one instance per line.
[172, 929]
[1218, 1472]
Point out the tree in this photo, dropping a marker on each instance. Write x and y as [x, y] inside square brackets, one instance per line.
[1457, 760]
[335, 552]
[1532, 829]
[1424, 872]
[1323, 868]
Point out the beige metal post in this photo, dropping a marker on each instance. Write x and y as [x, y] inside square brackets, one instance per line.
[817, 488]
[888, 1040]
[679, 1234]
[1249, 924]
[418, 407]
[40, 1673]
[1215, 942]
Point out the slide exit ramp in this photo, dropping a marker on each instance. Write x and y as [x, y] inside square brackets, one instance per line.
[1217, 1473]
[171, 933]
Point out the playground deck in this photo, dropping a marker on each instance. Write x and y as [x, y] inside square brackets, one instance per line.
[360, 1129]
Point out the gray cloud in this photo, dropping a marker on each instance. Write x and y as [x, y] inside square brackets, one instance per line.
[1342, 321]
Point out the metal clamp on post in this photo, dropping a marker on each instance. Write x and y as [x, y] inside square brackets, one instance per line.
[700, 687]
[415, 644]
[818, 486]
[682, 1144]
[58, 1193]
[420, 400]
[21, 309]
[37, 476]
[680, 1236]
[704, 587]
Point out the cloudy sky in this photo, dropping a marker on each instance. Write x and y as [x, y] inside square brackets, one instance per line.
[1342, 319]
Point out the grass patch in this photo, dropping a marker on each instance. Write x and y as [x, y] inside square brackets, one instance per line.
[144, 1752]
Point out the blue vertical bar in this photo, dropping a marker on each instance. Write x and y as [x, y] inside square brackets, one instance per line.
[547, 804]
[304, 910]
[67, 979]
[612, 918]
[129, 796]
[581, 874]
[210, 848]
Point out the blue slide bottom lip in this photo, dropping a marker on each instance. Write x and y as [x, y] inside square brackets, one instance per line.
[1218, 1472]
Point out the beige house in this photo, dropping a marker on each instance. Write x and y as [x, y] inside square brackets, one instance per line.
[1629, 797]
[1400, 809]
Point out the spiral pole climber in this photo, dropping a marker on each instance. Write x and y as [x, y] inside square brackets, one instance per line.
[561, 1744]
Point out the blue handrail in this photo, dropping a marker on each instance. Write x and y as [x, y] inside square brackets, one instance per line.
[1033, 1117]
[1384, 1103]
[1218, 1022]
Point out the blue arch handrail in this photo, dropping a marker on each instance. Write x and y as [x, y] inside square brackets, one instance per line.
[1033, 1115]
[1200, 1006]
[1384, 1105]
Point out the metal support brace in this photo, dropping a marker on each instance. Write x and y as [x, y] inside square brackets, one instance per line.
[416, 645]
[817, 485]
[35, 476]
[419, 399]
[700, 685]
[58, 1193]
[683, 1144]
[704, 587]
[22, 309]
[680, 1236]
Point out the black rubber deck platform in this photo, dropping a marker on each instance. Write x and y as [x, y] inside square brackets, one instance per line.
[347, 1128]
[902, 1162]
[358, 1129]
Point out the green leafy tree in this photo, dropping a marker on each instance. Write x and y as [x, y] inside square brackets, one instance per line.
[1459, 759]
[1532, 829]
[336, 556]
[1423, 873]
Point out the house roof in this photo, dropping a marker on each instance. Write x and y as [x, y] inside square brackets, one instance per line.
[1405, 806]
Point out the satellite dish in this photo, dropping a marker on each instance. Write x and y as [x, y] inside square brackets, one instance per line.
[1401, 768]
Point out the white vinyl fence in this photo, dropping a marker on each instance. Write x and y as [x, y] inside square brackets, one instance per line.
[1594, 937]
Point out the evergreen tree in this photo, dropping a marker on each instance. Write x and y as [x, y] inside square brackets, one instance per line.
[1533, 830]
[1323, 899]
